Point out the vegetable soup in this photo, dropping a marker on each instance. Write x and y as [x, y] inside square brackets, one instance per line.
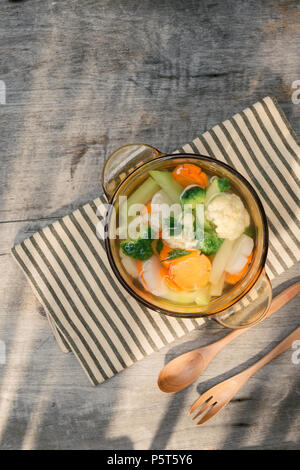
[189, 237]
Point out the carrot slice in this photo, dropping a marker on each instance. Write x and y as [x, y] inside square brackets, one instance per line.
[234, 278]
[169, 283]
[188, 174]
[190, 272]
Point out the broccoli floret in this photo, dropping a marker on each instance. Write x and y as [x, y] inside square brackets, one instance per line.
[211, 242]
[207, 225]
[139, 249]
[193, 195]
[208, 240]
[223, 184]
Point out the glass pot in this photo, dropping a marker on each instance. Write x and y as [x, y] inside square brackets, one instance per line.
[248, 301]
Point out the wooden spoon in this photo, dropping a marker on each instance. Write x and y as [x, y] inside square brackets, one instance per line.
[218, 396]
[183, 370]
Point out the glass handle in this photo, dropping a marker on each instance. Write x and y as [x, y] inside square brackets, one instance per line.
[122, 162]
[252, 308]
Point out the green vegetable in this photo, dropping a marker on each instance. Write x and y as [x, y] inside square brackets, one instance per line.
[159, 245]
[139, 249]
[143, 193]
[223, 184]
[186, 298]
[140, 196]
[193, 195]
[208, 240]
[173, 254]
[218, 185]
[211, 242]
[166, 181]
[207, 224]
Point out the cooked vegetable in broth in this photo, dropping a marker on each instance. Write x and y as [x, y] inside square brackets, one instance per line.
[191, 238]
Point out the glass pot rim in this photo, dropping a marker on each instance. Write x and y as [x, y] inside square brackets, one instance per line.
[166, 157]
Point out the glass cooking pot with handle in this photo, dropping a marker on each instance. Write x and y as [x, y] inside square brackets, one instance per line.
[248, 301]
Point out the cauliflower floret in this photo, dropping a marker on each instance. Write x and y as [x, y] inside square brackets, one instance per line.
[229, 215]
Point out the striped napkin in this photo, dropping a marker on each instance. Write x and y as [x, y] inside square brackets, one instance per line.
[89, 311]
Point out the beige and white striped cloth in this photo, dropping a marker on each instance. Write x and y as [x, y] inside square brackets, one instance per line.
[89, 311]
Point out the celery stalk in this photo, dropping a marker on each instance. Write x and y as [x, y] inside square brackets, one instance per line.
[217, 289]
[166, 181]
[201, 296]
[220, 260]
[204, 296]
[143, 193]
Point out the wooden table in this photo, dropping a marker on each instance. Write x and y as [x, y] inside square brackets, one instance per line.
[81, 79]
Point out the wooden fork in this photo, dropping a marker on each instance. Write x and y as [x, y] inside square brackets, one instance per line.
[218, 396]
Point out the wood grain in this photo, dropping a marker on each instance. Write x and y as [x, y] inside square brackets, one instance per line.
[83, 78]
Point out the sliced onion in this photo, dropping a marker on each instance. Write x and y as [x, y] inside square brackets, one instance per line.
[242, 249]
[151, 277]
[237, 264]
[212, 197]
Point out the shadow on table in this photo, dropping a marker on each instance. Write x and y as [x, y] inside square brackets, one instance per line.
[250, 406]
[211, 331]
[280, 427]
[46, 401]
[41, 394]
